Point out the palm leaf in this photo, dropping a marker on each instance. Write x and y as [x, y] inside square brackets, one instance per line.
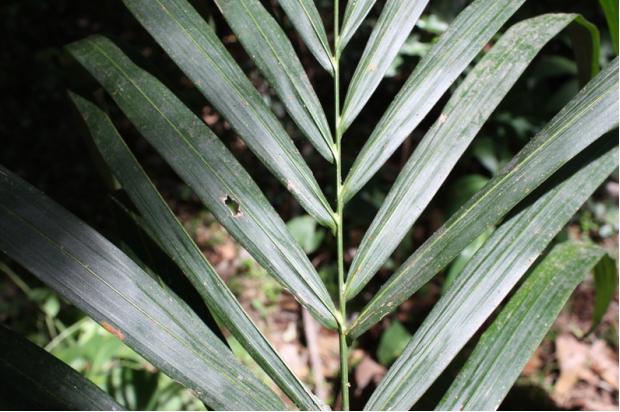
[306, 19]
[454, 50]
[491, 273]
[191, 43]
[509, 343]
[95, 276]
[33, 379]
[274, 55]
[354, 15]
[392, 29]
[178, 244]
[463, 117]
[591, 113]
[203, 161]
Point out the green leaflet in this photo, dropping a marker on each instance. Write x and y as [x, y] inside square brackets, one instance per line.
[353, 16]
[455, 49]
[491, 273]
[307, 21]
[605, 285]
[591, 113]
[203, 161]
[33, 379]
[509, 343]
[89, 271]
[191, 43]
[610, 7]
[270, 49]
[173, 238]
[438, 152]
[395, 23]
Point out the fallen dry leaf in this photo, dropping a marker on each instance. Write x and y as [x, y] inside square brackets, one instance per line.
[572, 356]
[605, 362]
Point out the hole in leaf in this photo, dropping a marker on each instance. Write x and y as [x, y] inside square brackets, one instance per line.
[233, 206]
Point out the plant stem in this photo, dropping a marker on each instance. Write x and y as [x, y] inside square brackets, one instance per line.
[344, 350]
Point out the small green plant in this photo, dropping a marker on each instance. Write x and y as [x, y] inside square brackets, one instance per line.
[135, 294]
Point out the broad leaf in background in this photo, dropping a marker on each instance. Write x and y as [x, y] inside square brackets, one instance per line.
[509, 343]
[207, 166]
[33, 379]
[591, 113]
[191, 43]
[395, 23]
[354, 15]
[605, 285]
[438, 152]
[99, 279]
[392, 343]
[273, 53]
[307, 21]
[305, 232]
[492, 272]
[455, 49]
[173, 238]
[610, 7]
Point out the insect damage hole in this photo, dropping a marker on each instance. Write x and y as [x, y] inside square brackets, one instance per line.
[234, 207]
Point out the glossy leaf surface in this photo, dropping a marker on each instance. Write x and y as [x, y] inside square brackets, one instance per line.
[610, 7]
[591, 113]
[509, 343]
[33, 379]
[307, 21]
[354, 15]
[438, 152]
[175, 241]
[273, 53]
[95, 276]
[454, 50]
[207, 166]
[395, 23]
[491, 273]
[191, 43]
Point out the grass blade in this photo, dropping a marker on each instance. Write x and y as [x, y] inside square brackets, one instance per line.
[191, 43]
[181, 248]
[307, 21]
[591, 113]
[454, 50]
[33, 379]
[463, 117]
[395, 23]
[353, 17]
[509, 343]
[491, 273]
[274, 55]
[95, 276]
[203, 161]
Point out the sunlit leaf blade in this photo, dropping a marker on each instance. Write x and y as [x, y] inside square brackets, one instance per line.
[307, 21]
[395, 23]
[353, 17]
[33, 379]
[175, 241]
[273, 53]
[462, 118]
[454, 50]
[605, 286]
[207, 166]
[95, 276]
[610, 7]
[591, 113]
[491, 273]
[509, 343]
[193, 46]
